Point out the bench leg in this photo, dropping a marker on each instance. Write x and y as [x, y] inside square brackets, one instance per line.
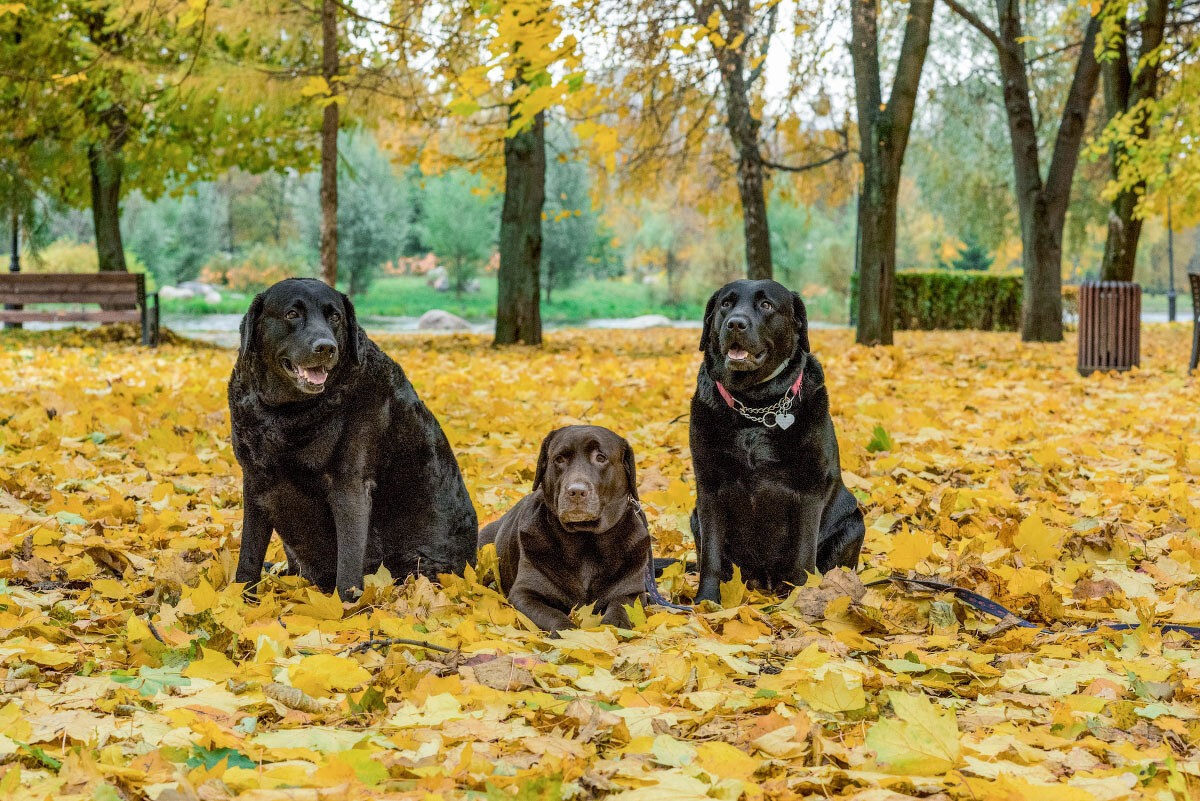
[155, 323]
[150, 321]
[1195, 345]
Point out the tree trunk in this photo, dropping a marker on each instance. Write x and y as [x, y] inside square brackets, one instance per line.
[106, 164]
[744, 128]
[1123, 94]
[1042, 206]
[672, 267]
[751, 188]
[877, 260]
[1041, 256]
[329, 146]
[883, 133]
[1041, 239]
[106, 169]
[1124, 231]
[518, 315]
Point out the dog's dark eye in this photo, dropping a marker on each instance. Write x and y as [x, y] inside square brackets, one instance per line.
[766, 305]
[560, 460]
[335, 317]
[725, 304]
[600, 458]
[292, 315]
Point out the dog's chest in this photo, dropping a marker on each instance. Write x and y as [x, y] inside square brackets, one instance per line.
[311, 446]
[755, 447]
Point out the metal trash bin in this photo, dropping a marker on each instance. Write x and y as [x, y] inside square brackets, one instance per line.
[1110, 326]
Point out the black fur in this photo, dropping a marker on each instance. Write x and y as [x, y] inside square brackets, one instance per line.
[771, 501]
[352, 474]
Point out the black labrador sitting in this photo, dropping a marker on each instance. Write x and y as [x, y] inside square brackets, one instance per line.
[339, 456]
[580, 537]
[770, 496]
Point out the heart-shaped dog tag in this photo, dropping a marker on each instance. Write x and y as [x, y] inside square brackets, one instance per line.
[784, 421]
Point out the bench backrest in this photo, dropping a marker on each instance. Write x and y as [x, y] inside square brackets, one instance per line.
[112, 288]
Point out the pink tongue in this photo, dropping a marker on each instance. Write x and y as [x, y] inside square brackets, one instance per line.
[313, 375]
[737, 354]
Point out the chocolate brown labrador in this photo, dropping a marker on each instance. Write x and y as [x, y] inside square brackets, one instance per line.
[580, 537]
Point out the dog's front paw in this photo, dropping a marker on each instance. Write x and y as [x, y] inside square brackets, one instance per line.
[709, 591]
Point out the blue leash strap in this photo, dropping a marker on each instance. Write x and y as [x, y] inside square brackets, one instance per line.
[655, 595]
[989, 606]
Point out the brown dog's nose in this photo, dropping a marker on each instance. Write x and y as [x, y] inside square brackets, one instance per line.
[578, 491]
[738, 323]
[324, 347]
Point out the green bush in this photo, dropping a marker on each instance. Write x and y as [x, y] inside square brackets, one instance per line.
[953, 300]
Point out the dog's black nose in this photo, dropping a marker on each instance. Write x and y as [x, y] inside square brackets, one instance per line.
[737, 323]
[324, 347]
[578, 491]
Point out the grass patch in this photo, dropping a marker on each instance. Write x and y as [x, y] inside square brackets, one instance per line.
[407, 296]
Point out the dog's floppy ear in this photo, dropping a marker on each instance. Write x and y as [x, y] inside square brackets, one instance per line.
[800, 314]
[544, 458]
[708, 321]
[249, 328]
[631, 480]
[630, 470]
[352, 332]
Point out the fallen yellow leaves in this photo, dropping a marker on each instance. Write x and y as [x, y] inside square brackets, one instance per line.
[131, 667]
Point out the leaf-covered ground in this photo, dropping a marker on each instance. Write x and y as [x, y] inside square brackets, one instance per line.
[133, 669]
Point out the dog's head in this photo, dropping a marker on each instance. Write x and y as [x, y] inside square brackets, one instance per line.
[587, 477]
[751, 329]
[300, 330]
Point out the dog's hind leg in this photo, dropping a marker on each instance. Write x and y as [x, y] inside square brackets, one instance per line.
[842, 533]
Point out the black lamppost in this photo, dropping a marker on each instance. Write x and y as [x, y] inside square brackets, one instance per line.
[1170, 264]
[857, 247]
[14, 261]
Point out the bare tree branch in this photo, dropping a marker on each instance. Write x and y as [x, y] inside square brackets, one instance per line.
[975, 22]
[838, 156]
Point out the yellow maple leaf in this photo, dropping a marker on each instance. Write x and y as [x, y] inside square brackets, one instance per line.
[920, 741]
[321, 674]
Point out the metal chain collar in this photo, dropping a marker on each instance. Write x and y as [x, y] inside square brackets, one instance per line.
[778, 414]
[768, 416]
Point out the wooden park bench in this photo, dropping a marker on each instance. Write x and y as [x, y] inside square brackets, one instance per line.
[112, 290]
[1194, 280]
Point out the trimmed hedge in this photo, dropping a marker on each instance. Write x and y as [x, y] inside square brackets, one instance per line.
[955, 300]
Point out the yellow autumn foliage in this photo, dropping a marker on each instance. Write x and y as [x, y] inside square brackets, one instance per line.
[133, 669]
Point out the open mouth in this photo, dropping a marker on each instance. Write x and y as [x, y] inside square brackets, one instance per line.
[741, 359]
[310, 379]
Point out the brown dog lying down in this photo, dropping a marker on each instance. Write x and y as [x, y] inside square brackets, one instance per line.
[580, 537]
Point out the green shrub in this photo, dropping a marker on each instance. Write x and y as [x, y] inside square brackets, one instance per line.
[955, 300]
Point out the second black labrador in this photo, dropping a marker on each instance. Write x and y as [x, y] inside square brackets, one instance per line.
[770, 496]
[580, 537]
[339, 456]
